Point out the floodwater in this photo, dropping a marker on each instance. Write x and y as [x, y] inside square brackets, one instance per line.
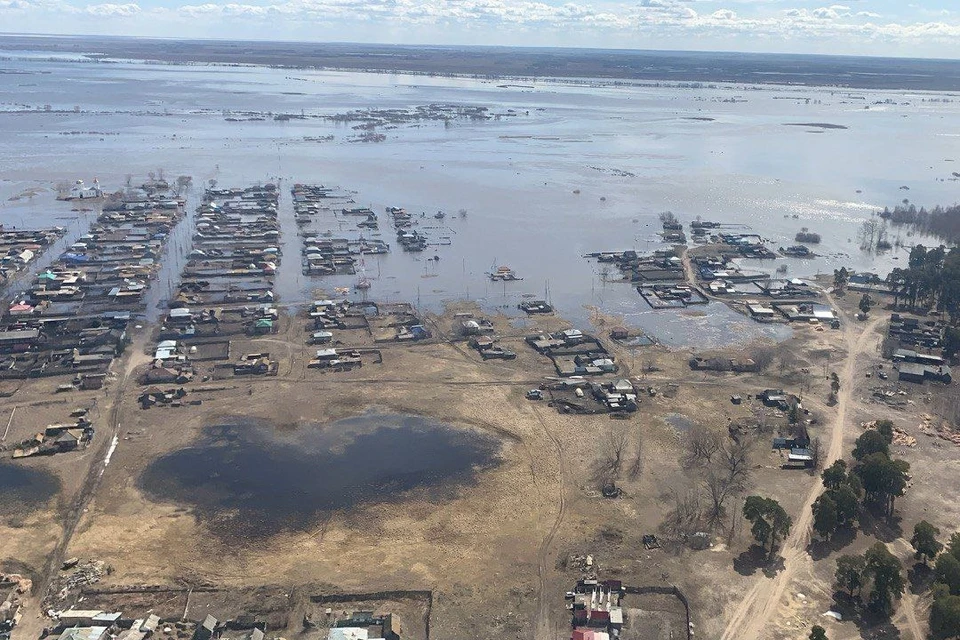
[721, 152]
[246, 479]
[24, 489]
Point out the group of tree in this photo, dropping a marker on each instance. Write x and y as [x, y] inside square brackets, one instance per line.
[876, 479]
[834, 388]
[943, 222]
[877, 573]
[931, 280]
[613, 461]
[840, 279]
[837, 507]
[883, 478]
[817, 633]
[721, 464]
[873, 235]
[769, 521]
[945, 611]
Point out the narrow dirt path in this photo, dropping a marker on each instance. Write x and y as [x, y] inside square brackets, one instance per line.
[907, 612]
[133, 358]
[542, 627]
[908, 605]
[753, 614]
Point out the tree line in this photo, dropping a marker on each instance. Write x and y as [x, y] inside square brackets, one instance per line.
[943, 222]
[931, 280]
[945, 612]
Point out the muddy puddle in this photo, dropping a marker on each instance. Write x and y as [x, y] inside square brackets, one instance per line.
[248, 480]
[24, 489]
[680, 422]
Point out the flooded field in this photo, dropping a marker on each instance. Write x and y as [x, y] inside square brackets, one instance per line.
[247, 479]
[24, 489]
[553, 171]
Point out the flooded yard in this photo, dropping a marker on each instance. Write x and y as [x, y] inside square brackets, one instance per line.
[247, 479]
[24, 489]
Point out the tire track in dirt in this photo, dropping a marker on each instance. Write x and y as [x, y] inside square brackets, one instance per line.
[908, 603]
[542, 627]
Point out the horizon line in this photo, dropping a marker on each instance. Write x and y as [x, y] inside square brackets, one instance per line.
[5, 34]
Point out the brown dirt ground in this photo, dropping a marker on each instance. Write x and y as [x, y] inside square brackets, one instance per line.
[481, 551]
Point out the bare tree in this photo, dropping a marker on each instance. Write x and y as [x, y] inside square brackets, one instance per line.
[701, 445]
[616, 447]
[718, 486]
[636, 467]
[649, 365]
[873, 233]
[727, 476]
[735, 457]
[686, 516]
[888, 346]
[610, 463]
[667, 217]
[762, 355]
[816, 452]
[181, 184]
[787, 361]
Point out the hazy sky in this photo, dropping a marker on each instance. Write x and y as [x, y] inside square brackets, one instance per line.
[928, 28]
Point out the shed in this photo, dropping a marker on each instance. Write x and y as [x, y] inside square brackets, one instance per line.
[84, 633]
[800, 456]
[105, 618]
[79, 616]
[598, 618]
[912, 372]
[206, 629]
[760, 311]
[348, 633]
[616, 617]
[784, 443]
[619, 333]
[151, 623]
[181, 314]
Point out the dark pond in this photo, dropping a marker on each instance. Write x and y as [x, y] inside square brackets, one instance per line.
[246, 479]
[24, 489]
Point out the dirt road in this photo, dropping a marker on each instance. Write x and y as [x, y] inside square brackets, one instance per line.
[752, 616]
[543, 604]
[73, 515]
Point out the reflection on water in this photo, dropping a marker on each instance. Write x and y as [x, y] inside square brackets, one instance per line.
[251, 480]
